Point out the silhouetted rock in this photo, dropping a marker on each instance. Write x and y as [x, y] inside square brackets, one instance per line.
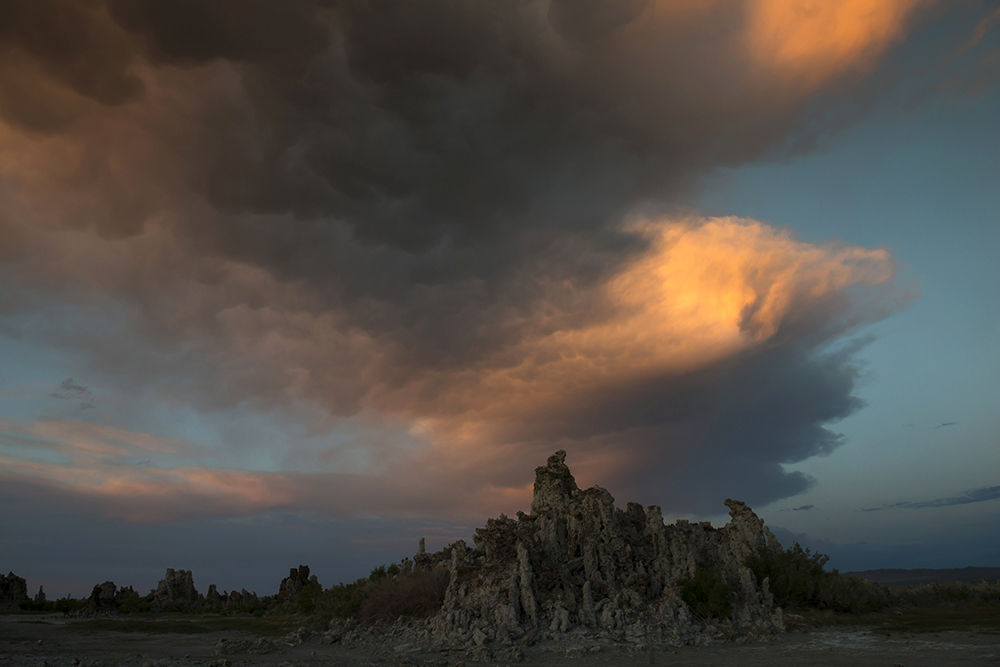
[292, 585]
[176, 587]
[126, 593]
[103, 596]
[241, 600]
[13, 591]
[40, 595]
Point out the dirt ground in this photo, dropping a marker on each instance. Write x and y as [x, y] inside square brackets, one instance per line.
[56, 641]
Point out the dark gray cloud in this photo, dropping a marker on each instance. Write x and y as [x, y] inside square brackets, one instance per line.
[52, 43]
[980, 495]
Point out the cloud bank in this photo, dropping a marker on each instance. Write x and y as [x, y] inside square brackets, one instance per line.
[449, 226]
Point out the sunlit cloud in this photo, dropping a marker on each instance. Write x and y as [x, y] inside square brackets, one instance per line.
[705, 294]
[812, 40]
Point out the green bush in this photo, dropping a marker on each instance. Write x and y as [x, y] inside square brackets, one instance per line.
[308, 597]
[948, 594]
[707, 595]
[797, 580]
[342, 600]
[68, 605]
[31, 605]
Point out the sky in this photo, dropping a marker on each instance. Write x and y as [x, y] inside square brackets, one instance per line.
[301, 282]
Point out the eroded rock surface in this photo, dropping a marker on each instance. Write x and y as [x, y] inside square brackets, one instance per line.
[579, 565]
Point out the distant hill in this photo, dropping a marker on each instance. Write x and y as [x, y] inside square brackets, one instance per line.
[918, 577]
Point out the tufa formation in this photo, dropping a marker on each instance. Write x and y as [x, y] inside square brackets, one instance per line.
[577, 564]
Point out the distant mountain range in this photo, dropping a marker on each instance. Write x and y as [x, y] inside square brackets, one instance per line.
[918, 577]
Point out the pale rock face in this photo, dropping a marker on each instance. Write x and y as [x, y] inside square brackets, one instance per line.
[578, 562]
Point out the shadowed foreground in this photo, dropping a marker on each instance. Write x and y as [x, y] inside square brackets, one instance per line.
[169, 641]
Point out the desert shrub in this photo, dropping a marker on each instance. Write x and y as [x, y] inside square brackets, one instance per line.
[383, 572]
[707, 594]
[417, 594]
[308, 597]
[31, 605]
[342, 600]
[797, 579]
[68, 605]
[385, 594]
[949, 593]
[135, 605]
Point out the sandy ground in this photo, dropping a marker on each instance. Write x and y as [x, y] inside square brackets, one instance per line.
[54, 641]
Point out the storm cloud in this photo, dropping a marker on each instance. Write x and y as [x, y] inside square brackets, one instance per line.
[449, 225]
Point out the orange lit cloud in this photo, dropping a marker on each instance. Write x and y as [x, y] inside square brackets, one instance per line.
[815, 39]
[704, 290]
[702, 293]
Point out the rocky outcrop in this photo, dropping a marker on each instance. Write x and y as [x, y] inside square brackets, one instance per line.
[103, 596]
[40, 595]
[176, 587]
[13, 591]
[579, 564]
[108, 597]
[241, 600]
[292, 585]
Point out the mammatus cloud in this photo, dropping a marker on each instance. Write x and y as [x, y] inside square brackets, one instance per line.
[980, 495]
[451, 225]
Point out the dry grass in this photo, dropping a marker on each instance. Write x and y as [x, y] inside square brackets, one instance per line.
[982, 618]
